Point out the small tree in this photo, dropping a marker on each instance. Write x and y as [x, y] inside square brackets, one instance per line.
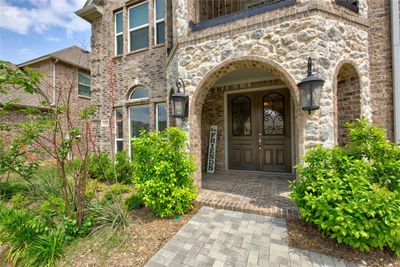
[51, 131]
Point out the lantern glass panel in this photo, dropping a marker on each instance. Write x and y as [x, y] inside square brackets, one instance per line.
[316, 93]
[179, 106]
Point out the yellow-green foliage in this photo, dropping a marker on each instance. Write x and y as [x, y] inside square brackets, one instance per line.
[352, 194]
[163, 170]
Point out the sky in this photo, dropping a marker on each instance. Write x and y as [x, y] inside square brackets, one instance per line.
[34, 28]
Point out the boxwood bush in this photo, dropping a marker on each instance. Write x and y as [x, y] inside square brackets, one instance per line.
[352, 194]
[163, 170]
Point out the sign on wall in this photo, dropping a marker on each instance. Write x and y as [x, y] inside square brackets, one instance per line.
[212, 147]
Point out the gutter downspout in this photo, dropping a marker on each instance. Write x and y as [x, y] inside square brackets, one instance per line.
[396, 67]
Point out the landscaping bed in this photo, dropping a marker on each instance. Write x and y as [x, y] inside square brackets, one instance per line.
[131, 247]
[306, 236]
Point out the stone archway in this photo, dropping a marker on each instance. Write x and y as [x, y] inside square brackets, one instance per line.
[199, 94]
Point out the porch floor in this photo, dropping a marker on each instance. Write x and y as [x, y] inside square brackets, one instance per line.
[252, 192]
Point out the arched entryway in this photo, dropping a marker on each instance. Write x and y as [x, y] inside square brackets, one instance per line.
[275, 137]
[348, 95]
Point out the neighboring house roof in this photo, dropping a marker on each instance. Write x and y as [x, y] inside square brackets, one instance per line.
[73, 55]
[23, 99]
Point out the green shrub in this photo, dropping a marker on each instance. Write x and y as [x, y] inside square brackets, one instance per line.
[163, 170]
[72, 231]
[115, 191]
[52, 207]
[9, 189]
[110, 213]
[134, 201]
[101, 168]
[32, 241]
[123, 168]
[369, 142]
[349, 194]
[20, 201]
[47, 249]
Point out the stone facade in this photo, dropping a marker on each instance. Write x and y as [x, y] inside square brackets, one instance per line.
[277, 41]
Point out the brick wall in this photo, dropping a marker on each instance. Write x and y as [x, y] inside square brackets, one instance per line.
[348, 100]
[145, 67]
[381, 64]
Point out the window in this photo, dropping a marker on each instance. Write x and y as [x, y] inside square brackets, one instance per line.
[139, 119]
[84, 84]
[350, 4]
[161, 116]
[139, 93]
[119, 130]
[139, 26]
[160, 21]
[119, 33]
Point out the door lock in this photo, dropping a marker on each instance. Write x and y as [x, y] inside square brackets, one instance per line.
[259, 141]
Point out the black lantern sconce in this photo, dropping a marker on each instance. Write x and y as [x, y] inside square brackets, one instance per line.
[180, 101]
[310, 90]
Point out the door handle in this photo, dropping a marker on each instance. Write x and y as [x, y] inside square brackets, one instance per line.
[259, 141]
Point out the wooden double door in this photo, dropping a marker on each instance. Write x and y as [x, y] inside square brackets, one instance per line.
[259, 131]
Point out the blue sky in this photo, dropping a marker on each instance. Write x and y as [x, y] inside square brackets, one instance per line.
[33, 28]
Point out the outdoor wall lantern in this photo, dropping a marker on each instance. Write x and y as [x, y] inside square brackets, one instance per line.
[310, 90]
[180, 101]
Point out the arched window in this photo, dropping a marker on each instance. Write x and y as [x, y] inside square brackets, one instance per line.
[140, 92]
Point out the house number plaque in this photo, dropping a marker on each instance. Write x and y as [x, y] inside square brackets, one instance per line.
[212, 147]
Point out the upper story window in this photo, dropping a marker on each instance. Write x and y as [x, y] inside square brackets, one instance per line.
[159, 21]
[350, 4]
[84, 81]
[139, 26]
[119, 33]
[139, 93]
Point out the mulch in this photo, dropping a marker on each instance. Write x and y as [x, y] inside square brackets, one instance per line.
[306, 236]
[143, 238]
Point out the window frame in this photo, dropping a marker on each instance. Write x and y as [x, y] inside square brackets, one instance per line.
[117, 139]
[79, 83]
[157, 22]
[157, 121]
[344, 3]
[139, 27]
[116, 34]
[129, 124]
[139, 99]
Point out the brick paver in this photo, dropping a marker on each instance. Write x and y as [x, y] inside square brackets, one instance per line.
[216, 237]
[252, 192]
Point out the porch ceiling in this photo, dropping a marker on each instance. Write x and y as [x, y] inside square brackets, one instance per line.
[244, 76]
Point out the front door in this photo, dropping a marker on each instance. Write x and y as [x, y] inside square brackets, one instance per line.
[259, 131]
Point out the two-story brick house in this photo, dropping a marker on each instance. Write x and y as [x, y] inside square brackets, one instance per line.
[241, 62]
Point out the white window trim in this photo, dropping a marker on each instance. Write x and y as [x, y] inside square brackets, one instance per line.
[129, 125]
[88, 85]
[158, 104]
[139, 99]
[119, 33]
[139, 27]
[116, 135]
[156, 22]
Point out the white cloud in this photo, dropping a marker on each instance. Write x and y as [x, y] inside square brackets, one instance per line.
[42, 15]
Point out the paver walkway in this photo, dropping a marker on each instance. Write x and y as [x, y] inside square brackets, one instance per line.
[216, 237]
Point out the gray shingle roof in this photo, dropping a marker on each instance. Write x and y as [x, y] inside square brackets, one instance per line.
[72, 55]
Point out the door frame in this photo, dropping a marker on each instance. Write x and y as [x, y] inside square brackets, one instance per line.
[292, 133]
